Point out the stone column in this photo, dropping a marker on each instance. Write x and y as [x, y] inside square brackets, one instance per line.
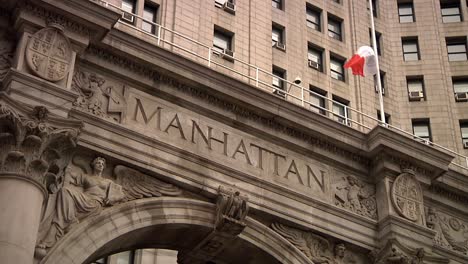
[35, 149]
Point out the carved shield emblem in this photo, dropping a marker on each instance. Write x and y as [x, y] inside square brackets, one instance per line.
[407, 196]
[48, 54]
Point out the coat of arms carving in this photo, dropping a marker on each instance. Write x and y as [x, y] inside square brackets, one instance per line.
[48, 54]
[407, 195]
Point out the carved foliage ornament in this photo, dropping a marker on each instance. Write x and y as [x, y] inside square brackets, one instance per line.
[407, 195]
[48, 53]
[35, 145]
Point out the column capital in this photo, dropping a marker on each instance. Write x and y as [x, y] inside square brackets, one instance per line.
[35, 145]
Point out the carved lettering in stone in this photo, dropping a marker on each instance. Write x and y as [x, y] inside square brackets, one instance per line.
[407, 195]
[49, 53]
[93, 96]
[356, 196]
[315, 247]
[452, 233]
[85, 192]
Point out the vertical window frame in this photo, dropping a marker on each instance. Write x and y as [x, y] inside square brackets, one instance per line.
[316, 13]
[407, 52]
[402, 17]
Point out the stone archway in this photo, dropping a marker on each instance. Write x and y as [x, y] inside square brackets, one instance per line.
[158, 222]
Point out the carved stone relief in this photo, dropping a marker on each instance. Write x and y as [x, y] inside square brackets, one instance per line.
[395, 252]
[97, 96]
[49, 53]
[407, 196]
[317, 248]
[87, 189]
[452, 232]
[355, 195]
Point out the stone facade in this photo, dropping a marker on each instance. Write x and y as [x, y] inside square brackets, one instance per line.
[115, 140]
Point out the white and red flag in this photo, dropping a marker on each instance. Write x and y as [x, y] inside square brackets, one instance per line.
[363, 62]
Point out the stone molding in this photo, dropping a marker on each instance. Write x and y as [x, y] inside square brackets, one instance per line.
[34, 144]
[50, 16]
[216, 101]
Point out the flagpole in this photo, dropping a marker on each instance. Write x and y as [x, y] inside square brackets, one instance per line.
[374, 46]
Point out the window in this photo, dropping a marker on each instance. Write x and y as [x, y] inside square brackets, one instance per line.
[410, 49]
[313, 18]
[128, 6]
[406, 12]
[382, 82]
[222, 43]
[386, 117]
[317, 100]
[464, 132]
[378, 36]
[415, 88]
[149, 14]
[277, 4]
[460, 88]
[314, 56]
[278, 83]
[336, 68]
[456, 49]
[277, 37]
[450, 11]
[341, 111]
[334, 27]
[422, 129]
[126, 257]
[374, 7]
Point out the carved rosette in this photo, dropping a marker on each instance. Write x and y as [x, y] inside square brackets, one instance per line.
[49, 53]
[34, 145]
[407, 196]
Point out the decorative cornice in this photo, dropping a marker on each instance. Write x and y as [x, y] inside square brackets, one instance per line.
[54, 18]
[153, 75]
[439, 190]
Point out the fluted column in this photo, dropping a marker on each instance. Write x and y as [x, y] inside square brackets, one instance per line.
[34, 150]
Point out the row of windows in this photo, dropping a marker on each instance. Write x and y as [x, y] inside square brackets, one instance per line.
[450, 11]
[278, 4]
[422, 129]
[456, 48]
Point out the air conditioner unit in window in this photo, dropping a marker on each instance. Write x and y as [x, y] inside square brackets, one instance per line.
[461, 97]
[229, 7]
[127, 17]
[313, 64]
[465, 144]
[416, 96]
[280, 46]
[228, 55]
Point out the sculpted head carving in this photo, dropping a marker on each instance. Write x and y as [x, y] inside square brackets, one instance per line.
[40, 112]
[340, 250]
[98, 164]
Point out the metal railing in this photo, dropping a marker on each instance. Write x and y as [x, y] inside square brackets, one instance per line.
[299, 95]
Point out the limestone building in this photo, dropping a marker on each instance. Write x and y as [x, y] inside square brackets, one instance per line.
[219, 131]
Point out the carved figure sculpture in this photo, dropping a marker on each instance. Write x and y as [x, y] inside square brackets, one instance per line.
[88, 192]
[353, 195]
[73, 203]
[339, 253]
